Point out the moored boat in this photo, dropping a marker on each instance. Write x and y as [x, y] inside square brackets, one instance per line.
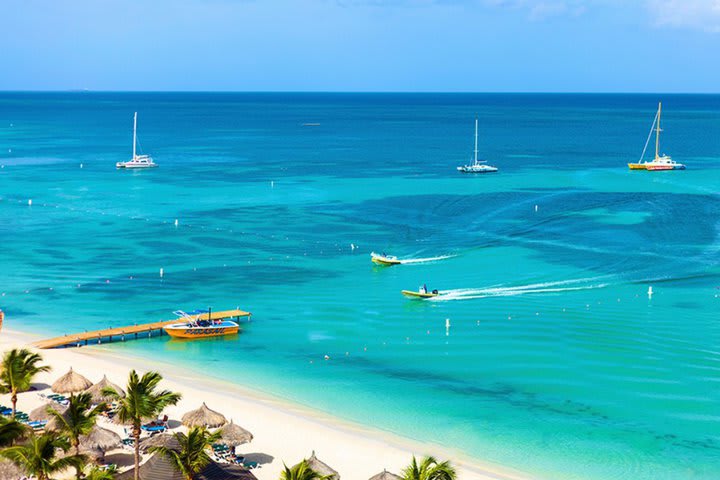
[382, 259]
[660, 162]
[137, 161]
[195, 327]
[478, 166]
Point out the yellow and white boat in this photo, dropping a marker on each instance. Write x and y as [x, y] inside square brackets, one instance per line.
[420, 293]
[382, 259]
[195, 327]
[660, 162]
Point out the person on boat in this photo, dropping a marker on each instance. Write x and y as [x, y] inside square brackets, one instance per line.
[424, 288]
[435, 292]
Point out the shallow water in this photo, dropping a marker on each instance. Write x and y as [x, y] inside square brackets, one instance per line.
[556, 361]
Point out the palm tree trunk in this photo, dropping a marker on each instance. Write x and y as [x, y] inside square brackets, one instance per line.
[78, 470]
[13, 399]
[136, 437]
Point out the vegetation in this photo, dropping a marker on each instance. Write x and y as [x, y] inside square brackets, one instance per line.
[142, 401]
[10, 431]
[19, 367]
[429, 469]
[191, 457]
[301, 471]
[96, 473]
[77, 420]
[38, 457]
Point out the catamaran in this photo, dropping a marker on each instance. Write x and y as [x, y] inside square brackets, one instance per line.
[137, 161]
[478, 166]
[660, 162]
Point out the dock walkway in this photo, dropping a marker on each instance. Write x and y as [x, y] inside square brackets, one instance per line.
[132, 331]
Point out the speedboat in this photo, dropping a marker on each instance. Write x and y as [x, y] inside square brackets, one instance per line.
[422, 292]
[478, 166]
[137, 161]
[194, 326]
[660, 162]
[382, 259]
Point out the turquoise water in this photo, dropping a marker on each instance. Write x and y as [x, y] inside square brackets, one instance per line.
[556, 361]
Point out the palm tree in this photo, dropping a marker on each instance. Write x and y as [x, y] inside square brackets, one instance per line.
[10, 430]
[301, 471]
[429, 469]
[141, 401]
[38, 457]
[97, 474]
[18, 368]
[77, 420]
[191, 457]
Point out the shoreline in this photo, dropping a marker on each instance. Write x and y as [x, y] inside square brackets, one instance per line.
[284, 430]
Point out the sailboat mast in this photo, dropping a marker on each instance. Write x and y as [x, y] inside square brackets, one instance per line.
[476, 133]
[657, 132]
[134, 134]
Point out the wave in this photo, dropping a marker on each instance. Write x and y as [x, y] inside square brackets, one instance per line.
[426, 260]
[505, 291]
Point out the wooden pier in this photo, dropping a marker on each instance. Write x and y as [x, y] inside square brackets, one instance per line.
[129, 332]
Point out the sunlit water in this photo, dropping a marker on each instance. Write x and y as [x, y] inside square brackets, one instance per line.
[556, 361]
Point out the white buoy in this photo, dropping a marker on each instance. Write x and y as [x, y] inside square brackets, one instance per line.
[650, 292]
[536, 207]
[81, 165]
[176, 222]
[272, 184]
[447, 327]
[162, 272]
[352, 246]
[30, 203]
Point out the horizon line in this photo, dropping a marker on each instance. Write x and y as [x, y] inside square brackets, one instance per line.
[369, 92]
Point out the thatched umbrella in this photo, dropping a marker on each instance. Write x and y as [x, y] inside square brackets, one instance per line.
[53, 423]
[385, 475]
[96, 391]
[41, 412]
[99, 440]
[9, 469]
[71, 382]
[203, 416]
[322, 468]
[161, 440]
[233, 435]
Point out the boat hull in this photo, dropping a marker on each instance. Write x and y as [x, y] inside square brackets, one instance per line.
[413, 294]
[386, 261]
[183, 331]
[637, 166]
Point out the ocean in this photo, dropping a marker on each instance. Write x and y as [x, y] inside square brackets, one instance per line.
[557, 362]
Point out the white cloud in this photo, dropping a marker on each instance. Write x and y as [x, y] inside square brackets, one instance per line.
[698, 14]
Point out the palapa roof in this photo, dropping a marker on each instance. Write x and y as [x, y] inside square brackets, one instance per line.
[234, 435]
[41, 412]
[71, 382]
[9, 469]
[100, 439]
[203, 416]
[96, 390]
[159, 468]
[160, 440]
[385, 475]
[322, 468]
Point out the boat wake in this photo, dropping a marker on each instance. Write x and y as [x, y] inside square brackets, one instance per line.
[426, 260]
[534, 288]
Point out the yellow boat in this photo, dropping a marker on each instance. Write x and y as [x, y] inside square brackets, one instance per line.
[193, 326]
[419, 294]
[383, 259]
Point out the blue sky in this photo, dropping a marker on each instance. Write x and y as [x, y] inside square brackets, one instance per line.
[361, 45]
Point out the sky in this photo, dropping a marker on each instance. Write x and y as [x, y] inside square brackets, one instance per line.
[361, 45]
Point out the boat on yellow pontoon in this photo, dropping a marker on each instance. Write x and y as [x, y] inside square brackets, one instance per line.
[382, 259]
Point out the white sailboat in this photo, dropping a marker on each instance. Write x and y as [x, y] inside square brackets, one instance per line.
[478, 166]
[137, 161]
[660, 162]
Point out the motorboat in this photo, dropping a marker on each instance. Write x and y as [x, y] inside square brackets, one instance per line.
[194, 326]
[382, 259]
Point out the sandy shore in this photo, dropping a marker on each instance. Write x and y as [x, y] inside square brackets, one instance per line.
[283, 432]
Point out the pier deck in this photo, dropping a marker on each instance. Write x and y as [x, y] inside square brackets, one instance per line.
[132, 331]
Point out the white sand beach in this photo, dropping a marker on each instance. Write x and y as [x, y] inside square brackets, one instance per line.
[283, 432]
